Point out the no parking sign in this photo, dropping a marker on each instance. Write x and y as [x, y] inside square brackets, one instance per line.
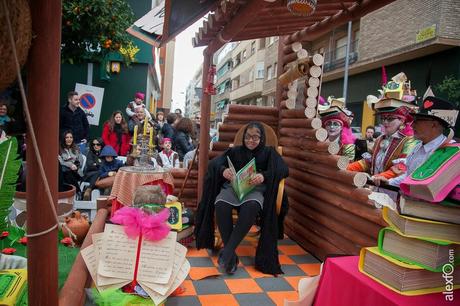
[90, 101]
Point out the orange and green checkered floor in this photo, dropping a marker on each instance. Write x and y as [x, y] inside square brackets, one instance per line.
[206, 286]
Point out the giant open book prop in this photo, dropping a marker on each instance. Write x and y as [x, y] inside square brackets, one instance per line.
[241, 179]
[114, 260]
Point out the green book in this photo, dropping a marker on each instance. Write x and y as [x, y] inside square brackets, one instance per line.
[428, 254]
[241, 180]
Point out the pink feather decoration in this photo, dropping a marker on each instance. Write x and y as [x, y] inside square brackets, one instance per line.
[153, 227]
[347, 136]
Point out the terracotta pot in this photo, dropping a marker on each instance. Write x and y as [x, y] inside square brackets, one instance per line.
[63, 197]
[77, 224]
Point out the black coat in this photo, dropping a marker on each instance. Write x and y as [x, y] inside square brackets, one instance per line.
[76, 121]
[182, 144]
[274, 169]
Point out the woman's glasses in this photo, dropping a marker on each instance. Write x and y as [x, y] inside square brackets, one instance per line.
[252, 137]
[96, 144]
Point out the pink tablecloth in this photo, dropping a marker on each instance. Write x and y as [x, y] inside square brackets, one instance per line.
[342, 284]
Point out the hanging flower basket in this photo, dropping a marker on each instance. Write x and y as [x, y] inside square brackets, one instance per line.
[21, 23]
[302, 7]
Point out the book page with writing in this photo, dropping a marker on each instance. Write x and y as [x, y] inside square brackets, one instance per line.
[156, 259]
[179, 258]
[158, 298]
[89, 257]
[102, 282]
[118, 254]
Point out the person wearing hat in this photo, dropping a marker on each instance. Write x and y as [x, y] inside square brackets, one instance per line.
[137, 103]
[168, 158]
[431, 125]
[337, 124]
[109, 168]
[391, 148]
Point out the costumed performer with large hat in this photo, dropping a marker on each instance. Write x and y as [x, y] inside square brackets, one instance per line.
[391, 149]
[336, 121]
[433, 127]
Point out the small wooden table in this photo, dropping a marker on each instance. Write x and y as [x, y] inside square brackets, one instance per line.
[129, 178]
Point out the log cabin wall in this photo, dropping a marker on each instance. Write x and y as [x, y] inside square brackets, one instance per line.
[330, 212]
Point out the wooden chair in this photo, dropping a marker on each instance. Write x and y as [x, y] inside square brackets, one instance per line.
[271, 140]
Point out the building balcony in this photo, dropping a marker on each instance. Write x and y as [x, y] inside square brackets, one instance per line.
[248, 90]
[335, 59]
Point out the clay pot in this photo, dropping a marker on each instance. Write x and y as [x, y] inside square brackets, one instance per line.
[78, 224]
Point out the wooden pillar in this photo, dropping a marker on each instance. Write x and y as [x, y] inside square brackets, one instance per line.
[43, 72]
[280, 70]
[205, 110]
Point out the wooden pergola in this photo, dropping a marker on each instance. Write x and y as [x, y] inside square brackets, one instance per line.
[230, 20]
[234, 20]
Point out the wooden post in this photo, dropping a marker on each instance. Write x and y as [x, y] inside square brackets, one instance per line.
[43, 72]
[204, 123]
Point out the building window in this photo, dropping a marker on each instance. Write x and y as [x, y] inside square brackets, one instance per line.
[235, 83]
[253, 47]
[261, 43]
[275, 69]
[244, 55]
[340, 47]
[251, 75]
[260, 70]
[271, 40]
[269, 73]
[237, 60]
[355, 41]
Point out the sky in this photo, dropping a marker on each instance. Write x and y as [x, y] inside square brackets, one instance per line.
[187, 60]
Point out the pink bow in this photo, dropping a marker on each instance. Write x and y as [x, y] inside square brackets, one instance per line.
[153, 227]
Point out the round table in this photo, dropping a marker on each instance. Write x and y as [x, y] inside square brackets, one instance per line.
[129, 178]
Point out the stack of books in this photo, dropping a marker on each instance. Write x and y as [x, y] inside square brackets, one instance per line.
[419, 252]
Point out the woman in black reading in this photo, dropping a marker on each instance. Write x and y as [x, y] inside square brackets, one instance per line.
[218, 195]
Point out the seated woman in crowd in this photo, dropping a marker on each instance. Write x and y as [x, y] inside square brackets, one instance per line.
[93, 165]
[183, 137]
[218, 195]
[115, 134]
[4, 118]
[167, 158]
[71, 161]
[109, 168]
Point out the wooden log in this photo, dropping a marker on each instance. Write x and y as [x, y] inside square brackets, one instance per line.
[312, 92]
[334, 148]
[314, 82]
[292, 113]
[358, 209]
[190, 182]
[345, 176]
[227, 136]
[73, 291]
[189, 192]
[317, 240]
[311, 102]
[288, 103]
[322, 231]
[182, 172]
[230, 127]
[305, 243]
[318, 134]
[289, 58]
[357, 194]
[341, 162]
[314, 123]
[256, 110]
[213, 154]
[368, 229]
[310, 112]
[247, 117]
[306, 144]
[318, 59]
[315, 71]
[221, 145]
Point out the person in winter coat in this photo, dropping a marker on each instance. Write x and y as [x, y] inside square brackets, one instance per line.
[115, 134]
[93, 165]
[182, 138]
[109, 168]
[71, 160]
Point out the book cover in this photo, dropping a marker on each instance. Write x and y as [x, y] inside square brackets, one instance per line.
[444, 211]
[436, 177]
[422, 228]
[175, 213]
[403, 278]
[240, 183]
[427, 254]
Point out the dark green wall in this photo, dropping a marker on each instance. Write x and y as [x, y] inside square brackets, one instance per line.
[446, 63]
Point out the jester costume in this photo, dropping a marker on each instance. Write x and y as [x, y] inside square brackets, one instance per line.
[390, 151]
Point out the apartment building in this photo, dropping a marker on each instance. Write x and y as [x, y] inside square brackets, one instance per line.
[420, 38]
[193, 95]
